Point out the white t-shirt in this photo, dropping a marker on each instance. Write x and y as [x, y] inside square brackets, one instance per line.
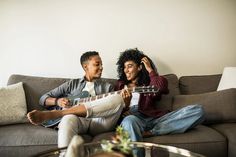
[135, 99]
[89, 87]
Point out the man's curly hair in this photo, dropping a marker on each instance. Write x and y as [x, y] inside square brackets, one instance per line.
[134, 55]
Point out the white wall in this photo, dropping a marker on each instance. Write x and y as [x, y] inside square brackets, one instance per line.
[47, 37]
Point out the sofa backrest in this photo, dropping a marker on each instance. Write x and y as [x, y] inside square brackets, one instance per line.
[199, 84]
[166, 100]
[219, 106]
[35, 87]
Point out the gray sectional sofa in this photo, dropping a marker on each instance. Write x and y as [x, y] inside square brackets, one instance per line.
[216, 137]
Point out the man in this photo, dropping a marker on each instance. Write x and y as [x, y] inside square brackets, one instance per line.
[90, 117]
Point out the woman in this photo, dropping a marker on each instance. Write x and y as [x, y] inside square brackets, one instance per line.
[142, 118]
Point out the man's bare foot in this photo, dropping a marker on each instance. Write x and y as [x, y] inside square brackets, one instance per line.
[37, 117]
[147, 134]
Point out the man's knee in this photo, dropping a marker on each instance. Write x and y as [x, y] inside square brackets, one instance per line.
[117, 99]
[68, 121]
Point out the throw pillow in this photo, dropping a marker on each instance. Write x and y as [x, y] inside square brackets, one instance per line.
[228, 79]
[219, 106]
[13, 107]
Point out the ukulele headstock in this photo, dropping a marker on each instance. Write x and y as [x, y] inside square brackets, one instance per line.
[146, 89]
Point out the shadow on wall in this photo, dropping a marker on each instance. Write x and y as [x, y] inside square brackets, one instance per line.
[162, 67]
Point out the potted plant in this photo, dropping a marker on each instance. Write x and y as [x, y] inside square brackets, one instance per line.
[119, 145]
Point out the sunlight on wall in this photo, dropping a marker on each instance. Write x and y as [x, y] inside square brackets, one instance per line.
[185, 37]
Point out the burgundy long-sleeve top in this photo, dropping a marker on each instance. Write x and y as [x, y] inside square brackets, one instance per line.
[146, 103]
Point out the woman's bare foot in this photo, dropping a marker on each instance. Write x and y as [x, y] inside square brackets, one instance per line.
[37, 117]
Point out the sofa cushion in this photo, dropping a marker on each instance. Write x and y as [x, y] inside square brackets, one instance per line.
[35, 87]
[12, 104]
[198, 84]
[201, 139]
[26, 134]
[219, 106]
[228, 130]
[24, 151]
[228, 79]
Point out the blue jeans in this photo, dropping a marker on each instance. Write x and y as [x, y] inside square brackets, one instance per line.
[172, 123]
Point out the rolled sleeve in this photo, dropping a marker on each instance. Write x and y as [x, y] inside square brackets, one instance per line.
[55, 93]
[43, 99]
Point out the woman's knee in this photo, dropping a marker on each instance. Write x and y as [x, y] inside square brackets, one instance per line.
[129, 120]
[201, 112]
[198, 111]
[195, 108]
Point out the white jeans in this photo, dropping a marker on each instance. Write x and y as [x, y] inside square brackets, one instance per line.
[102, 116]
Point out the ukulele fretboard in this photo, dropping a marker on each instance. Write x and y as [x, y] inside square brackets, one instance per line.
[143, 89]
